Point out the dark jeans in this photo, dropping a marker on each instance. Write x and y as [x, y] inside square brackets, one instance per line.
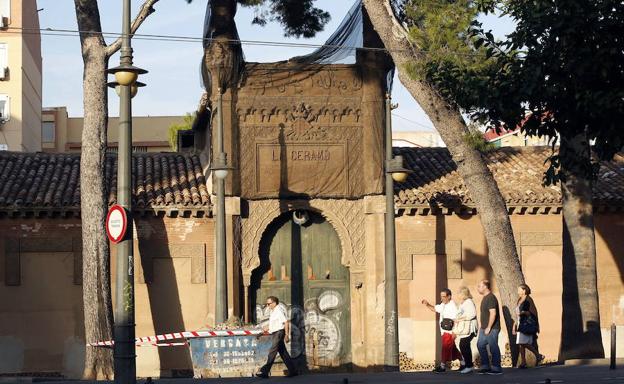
[466, 350]
[278, 346]
[490, 340]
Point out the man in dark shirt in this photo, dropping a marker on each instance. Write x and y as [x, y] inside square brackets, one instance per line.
[489, 330]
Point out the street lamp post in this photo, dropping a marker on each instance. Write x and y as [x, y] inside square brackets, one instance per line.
[394, 171]
[220, 170]
[124, 332]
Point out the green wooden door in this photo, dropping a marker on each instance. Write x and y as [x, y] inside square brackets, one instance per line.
[300, 264]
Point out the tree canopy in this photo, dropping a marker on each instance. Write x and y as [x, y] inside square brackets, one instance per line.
[560, 73]
[298, 18]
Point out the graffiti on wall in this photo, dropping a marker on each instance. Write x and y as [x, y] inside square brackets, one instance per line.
[315, 330]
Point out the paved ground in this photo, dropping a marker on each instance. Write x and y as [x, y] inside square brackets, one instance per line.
[559, 374]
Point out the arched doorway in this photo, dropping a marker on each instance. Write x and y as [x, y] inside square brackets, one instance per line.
[300, 264]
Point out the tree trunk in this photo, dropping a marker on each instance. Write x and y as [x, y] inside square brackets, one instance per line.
[449, 123]
[93, 204]
[96, 290]
[580, 331]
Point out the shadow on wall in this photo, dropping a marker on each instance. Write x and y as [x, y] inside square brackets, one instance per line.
[441, 280]
[164, 298]
[579, 338]
[610, 227]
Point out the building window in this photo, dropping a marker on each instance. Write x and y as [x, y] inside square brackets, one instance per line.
[4, 60]
[48, 132]
[5, 12]
[4, 108]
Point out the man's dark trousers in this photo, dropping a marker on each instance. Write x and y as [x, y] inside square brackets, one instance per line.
[278, 345]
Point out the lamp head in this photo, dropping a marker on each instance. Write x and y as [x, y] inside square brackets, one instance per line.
[219, 166]
[395, 168]
[134, 88]
[126, 74]
[399, 177]
[220, 173]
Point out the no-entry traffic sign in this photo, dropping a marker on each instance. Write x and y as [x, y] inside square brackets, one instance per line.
[116, 223]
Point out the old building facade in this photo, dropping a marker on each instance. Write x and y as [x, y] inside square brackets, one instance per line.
[305, 221]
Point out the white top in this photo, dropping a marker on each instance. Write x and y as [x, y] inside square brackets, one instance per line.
[277, 319]
[468, 312]
[446, 311]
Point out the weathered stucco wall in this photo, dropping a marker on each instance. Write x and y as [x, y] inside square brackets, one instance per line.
[41, 319]
[41, 326]
[450, 251]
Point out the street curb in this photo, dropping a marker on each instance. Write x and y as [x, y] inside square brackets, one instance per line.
[607, 361]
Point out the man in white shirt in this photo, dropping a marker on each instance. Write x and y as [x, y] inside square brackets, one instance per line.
[279, 330]
[448, 312]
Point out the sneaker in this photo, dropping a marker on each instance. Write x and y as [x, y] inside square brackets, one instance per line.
[462, 367]
[540, 359]
[483, 371]
[522, 366]
[493, 372]
[293, 374]
[439, 369]
[262, 375]
[466, 370]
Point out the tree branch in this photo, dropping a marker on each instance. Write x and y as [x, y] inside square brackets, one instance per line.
[146, 9]
[396, 35]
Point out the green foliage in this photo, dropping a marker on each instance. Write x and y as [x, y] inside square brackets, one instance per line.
[559, 74]
[298, 17]
[475, 140]
[186, 124]
[449, 56]
[564, 64]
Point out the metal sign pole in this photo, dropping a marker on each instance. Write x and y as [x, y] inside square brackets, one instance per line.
[124, 331]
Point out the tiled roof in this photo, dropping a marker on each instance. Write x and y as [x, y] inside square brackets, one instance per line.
[492, 134]
[52, 181]
[518, 171]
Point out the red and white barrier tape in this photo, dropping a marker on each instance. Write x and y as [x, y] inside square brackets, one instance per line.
[151, 340]
[162, 345]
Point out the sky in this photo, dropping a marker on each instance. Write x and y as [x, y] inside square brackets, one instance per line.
[173, 82]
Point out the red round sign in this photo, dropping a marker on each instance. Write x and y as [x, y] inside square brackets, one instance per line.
[116, 223]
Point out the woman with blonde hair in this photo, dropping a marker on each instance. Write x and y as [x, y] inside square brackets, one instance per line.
[526, 325]
[465, 328]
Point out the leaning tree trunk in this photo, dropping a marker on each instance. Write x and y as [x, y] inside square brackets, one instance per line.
[98, 315]
[448, 121]
[580, 330]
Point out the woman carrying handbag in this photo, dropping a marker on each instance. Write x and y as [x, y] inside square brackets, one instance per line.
[465, 327]
[526, 326]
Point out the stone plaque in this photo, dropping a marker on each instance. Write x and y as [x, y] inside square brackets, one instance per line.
[302, 169]
[147, 252]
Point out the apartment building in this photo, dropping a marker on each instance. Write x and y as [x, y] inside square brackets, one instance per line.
[20, 76]
[61, 133]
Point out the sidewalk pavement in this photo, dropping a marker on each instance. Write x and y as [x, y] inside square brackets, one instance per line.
[550, 374]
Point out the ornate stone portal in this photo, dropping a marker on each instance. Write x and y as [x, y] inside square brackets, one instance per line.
[347, 218]
[305, 137]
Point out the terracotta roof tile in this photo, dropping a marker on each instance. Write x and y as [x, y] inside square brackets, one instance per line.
[519, 172]
[53, 180]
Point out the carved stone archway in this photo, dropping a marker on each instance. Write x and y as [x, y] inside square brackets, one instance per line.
[346, 216]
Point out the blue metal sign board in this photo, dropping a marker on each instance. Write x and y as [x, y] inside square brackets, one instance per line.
[228, 356]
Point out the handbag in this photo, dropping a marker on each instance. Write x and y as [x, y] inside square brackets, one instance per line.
[447, 324]
[462, 327]
[528, 325]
